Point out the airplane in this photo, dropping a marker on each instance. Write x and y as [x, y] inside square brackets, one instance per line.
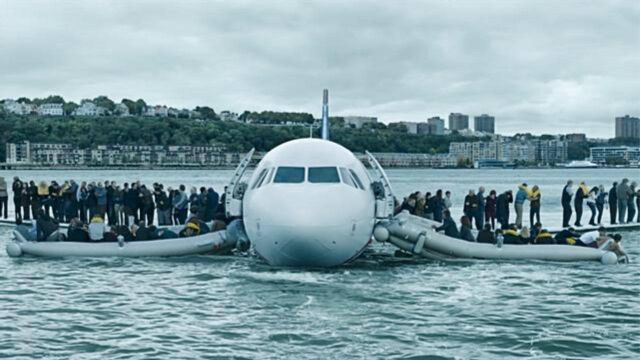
[310, 202]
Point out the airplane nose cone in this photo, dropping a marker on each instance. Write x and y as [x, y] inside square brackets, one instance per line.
[321, 231]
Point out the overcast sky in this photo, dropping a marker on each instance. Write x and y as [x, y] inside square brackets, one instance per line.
[538, 66]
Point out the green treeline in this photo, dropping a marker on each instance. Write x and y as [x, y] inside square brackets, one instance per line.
[86, 132]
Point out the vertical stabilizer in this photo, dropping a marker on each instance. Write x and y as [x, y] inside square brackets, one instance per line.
[325, 114]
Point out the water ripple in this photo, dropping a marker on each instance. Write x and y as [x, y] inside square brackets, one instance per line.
[380, 307]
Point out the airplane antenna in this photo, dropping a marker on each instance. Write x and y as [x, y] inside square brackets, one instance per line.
[325, 114]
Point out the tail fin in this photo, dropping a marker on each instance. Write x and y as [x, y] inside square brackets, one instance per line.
[325, 114]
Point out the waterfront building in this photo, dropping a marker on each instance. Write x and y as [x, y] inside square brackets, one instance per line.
[413, 160]
[458, 121]
[18, 108]
[628, 127]
[44, 154]
[27, 153]
[547, 152]
[615, 154]
[424, 128]
[551, 152]
[576, 138]
[121, 110]
[358, 121]
[157, 110]
[436, 125]
[484, 123]
[50, 110]
[412, 127]
[227, 115]
[89, 108]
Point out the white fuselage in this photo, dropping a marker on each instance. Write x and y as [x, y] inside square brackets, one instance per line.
[309, 203]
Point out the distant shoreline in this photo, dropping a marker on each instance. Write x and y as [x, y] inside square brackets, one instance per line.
[196, 167]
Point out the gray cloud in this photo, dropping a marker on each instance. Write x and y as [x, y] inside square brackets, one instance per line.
[540, 66]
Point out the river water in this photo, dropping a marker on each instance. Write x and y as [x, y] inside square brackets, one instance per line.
[378, 307]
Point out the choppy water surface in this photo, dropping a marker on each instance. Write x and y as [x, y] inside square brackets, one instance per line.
[237, 307]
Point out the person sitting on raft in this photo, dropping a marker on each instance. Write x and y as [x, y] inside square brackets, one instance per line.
[593, 238]
[486, 235]
[143, 232]
[46, 227]
[567, 237]
[465, 229]
[96, 228]
[448, 225]
[544, 237]
[512, 237]
[77, 231]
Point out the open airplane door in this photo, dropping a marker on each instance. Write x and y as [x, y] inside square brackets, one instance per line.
[236, 188]
[385, 200]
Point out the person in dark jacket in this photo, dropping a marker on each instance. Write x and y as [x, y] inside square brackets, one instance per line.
[486, 235]
[34, 199]
[490, 209]
[110, 187]
[130, 204]
[144, 232]
[613, 204]
[601, 199]
[118, 205]
[148, 207]
[211, 206]
[567, 236]
[470, 205]
[4, 198]
[25, 199]
[163, 205]
[437, 204]
[448, 226]
[631, 203]
[581, 193]
[502, 208]
[77, 231]
[567, 194]
[92, 201]
[54, 196]
[45, 225]
[16, 187]
[479, 215]
[134, 201]
[465, 229]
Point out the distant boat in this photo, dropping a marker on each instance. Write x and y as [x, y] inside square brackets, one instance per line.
[580, 164]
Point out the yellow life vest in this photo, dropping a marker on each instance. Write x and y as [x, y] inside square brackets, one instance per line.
[535, 194]
[43, 189]
[585, 188]
[571, 241]
[511, 232]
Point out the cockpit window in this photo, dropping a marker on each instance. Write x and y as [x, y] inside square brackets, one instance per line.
[289, 174]
[356, 179]
[346, 178]
[269, 176]
[323, 175]
[260, 178]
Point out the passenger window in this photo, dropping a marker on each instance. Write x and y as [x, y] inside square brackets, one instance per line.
[323, 175]
[289, 174]
[356, 179]
[346, 178]
[260, 178]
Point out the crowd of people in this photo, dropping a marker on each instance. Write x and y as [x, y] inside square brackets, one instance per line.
[491, 213]
[128, 204]
[105, 210]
